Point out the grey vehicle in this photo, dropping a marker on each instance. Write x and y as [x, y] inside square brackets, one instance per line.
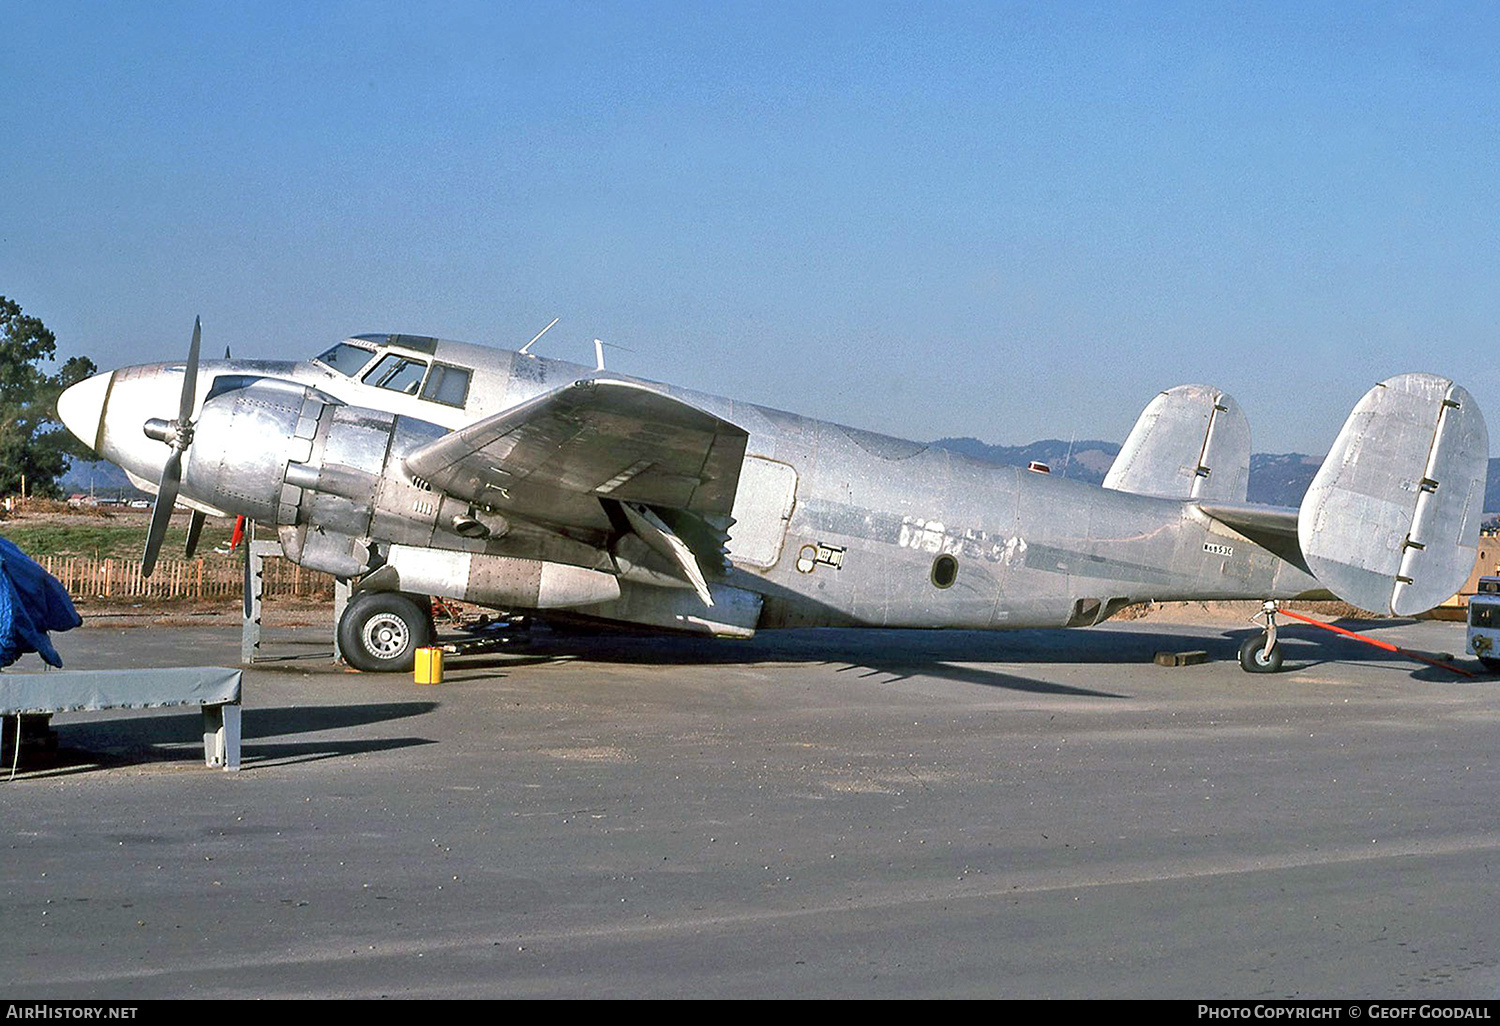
[1483, 635]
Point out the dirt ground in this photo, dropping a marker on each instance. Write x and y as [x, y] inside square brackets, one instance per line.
[276, 613]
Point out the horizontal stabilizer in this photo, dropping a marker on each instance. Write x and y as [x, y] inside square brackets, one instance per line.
[1391, 522]
[1191, 442]
[1273, 528]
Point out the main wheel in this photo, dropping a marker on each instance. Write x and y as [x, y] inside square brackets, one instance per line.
[1253, 658]
[1490, 663]
[381, 631]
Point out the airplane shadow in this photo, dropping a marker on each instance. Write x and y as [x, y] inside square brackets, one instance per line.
[892, 671]
[895, 655]
[890, 655]
[178, 737]
[1308, 646]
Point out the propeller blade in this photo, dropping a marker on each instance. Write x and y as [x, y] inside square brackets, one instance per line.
[195, 528]
[161, 515]
[190, 378]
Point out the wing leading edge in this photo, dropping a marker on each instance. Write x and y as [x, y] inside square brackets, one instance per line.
[612, 439]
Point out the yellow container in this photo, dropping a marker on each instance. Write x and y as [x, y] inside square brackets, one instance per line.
[429, 666]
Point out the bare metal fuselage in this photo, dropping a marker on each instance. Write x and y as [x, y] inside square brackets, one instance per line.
[834, 526]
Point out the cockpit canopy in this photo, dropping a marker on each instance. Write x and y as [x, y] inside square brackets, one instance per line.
[400, 363]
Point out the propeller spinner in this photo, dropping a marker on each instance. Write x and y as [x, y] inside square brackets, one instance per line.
[178, 434]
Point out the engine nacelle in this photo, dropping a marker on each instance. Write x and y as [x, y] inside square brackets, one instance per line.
[507, 582]
[327, 474]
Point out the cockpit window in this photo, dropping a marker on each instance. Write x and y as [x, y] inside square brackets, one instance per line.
[346, 359]
[397, 373]
[447, 384]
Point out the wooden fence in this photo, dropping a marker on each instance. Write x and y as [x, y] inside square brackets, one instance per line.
[86, 577]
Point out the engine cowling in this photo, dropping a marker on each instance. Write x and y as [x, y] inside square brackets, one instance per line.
[327, 474]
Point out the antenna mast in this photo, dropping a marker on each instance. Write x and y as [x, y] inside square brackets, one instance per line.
[538, 335]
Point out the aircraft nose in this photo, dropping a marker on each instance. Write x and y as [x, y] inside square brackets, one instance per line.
[81, 408]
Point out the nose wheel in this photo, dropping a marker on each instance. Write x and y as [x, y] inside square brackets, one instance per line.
[381, 631]
[1261, 653]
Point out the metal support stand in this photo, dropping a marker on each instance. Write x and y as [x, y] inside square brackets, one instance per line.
[256, 552]
[341, 590]
[221, 735]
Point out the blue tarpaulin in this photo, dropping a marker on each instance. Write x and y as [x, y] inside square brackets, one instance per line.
[32, 602]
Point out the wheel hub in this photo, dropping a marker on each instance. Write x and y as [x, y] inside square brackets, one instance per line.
[386, 636]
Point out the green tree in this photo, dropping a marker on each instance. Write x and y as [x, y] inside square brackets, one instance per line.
[33, 442]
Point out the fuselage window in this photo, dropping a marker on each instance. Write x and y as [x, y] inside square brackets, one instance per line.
[346, 359]
[944, 571]
[447, 384]
[397, 373]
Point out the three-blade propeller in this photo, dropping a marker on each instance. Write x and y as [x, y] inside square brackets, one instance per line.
[179, 435]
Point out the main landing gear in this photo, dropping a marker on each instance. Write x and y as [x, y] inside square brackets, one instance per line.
[381, 631]
[1261, 653]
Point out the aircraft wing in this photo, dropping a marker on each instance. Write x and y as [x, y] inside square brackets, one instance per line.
[551, 458]
[1273, 528]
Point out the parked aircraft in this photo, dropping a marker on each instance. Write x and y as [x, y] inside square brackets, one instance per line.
[418, 467]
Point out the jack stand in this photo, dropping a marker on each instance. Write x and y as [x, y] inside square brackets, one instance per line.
[341, 590]
[256, 552]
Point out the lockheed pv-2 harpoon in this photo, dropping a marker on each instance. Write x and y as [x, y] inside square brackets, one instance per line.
[418, 467]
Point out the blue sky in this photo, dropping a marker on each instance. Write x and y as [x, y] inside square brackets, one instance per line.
[1006, 220]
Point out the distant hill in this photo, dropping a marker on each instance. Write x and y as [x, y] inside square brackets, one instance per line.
[1275, 479]
[1281, 479]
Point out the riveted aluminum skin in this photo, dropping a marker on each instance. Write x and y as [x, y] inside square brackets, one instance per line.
[1190, 442]
[502, 581]
[831, 525]
[242, 443]
[1391, 521]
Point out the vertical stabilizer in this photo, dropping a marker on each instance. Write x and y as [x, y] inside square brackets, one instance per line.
[1391, 522]
[1191, 442]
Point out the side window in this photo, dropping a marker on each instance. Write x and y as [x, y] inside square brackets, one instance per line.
[346, 359]
[447, 384]
[397, 373]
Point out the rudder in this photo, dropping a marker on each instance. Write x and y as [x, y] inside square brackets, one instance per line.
[1391, 521]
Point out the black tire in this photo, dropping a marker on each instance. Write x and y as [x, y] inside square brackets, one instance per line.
[1490, 663]
[1252, 659]
[380, 632]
